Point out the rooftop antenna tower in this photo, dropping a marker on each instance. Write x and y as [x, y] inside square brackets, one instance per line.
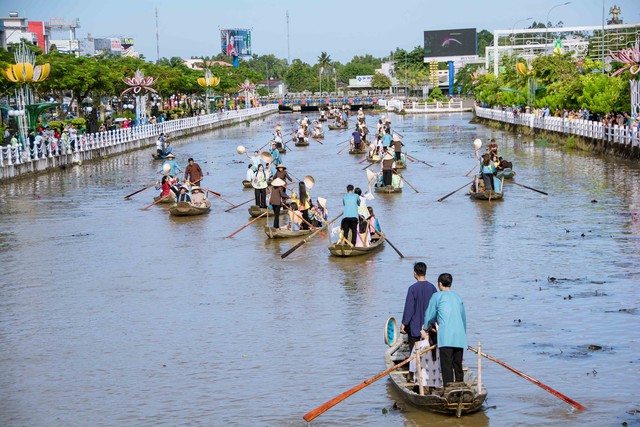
[288, 47]
[157, 38]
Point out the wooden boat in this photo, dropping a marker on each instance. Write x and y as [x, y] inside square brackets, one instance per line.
[246, 183]
[283, 233]
[322, 119]
[387, 189]
[363, 149]
[319, 136]
[256, 211]
[166, 199]
[488, 195]
[334, 127]
[157, 156]
[301, 142]
[345, 249]
[507, 173]
[400, 164]
[457, 398]
[187, 209]
[282, 150]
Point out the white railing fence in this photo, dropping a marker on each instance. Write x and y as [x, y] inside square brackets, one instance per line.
[579, 127]
[58, 147]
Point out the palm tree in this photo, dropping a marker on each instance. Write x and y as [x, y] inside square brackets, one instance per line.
[324, 61]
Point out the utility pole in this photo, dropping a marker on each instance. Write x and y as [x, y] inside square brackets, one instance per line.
[288, 46]
[157, 38]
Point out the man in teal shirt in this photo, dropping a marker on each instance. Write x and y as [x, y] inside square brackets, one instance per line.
[447, 310]
[350, 201]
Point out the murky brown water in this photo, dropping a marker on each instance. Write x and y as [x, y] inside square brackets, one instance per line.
[111, 315]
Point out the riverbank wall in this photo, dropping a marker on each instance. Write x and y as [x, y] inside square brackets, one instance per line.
[586, 135]
[16, 163]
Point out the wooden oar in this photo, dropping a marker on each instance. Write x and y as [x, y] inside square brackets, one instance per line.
[157, 201]
[533, 380]
[343, 148]
[363, 160]
[414, 188]
[237, 206]
[393, 246]
[453, 192]
[217, 195]
[367, 167]
[340, 143]
[136, 192]
[317, 140]
[303, 241]
[533, 189]
[247, 224]
[310, 416]
[418, 160]
[470, 170]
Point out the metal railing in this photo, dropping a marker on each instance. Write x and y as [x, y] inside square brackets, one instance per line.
[58, 147]
[624, 135]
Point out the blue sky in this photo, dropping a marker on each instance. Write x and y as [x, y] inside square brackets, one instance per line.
[339, 27]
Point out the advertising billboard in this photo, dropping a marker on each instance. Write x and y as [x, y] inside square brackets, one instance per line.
[450, 45]
[235, 42]
[126, 42]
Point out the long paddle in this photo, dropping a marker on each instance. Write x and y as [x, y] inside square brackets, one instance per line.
[533, 189]
[393, 246]
[363, 160]
[470, 170]
[453, 192]
[414, 188]
[317, 140]
[303, 241]
[533, 380]
[310, 416]
[217, 195]
[246, 225]
[418, 160]
[136, 192]
[370, 164]
[157, 201]
[343, 148]
[237, 206]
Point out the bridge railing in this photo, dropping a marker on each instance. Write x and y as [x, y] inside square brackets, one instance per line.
[91, 141]
[624, 135]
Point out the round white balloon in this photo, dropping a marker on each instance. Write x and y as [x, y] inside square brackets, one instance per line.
[240, 149]
[477, 143]
[166, 168]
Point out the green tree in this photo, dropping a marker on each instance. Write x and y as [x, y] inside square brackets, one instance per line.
[603, 94]
[301, 76]
[485, 38]
[358, 66]
[380, 81]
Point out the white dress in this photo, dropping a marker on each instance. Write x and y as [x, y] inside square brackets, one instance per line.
[431, 374]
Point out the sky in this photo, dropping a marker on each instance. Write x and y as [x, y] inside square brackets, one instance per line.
[339, 27]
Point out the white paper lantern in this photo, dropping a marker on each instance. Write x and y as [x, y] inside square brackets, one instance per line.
[240, 149]
[477, 144]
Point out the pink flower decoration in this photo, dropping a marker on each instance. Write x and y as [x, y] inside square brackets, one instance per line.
[631, 57]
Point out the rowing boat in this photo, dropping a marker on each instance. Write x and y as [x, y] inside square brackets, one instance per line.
[346, 250]
[507, 173]
[301, 142]
[187, 209]
[157, 156]
[360, 151]
[322, 119]
[488, 194]
[387, 189]
[400, 164]
[319, 136]
[334, 127]
[283, 233]
[256, 211]
[166, 199]
[246, 183]
[457, 398]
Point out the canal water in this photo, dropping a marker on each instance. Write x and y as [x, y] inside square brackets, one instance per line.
[114, 315]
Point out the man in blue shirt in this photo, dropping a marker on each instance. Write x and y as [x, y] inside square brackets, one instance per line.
[351, 201]
[446, 308]
[415, 306]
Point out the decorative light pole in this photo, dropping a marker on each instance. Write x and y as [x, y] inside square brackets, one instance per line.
[247, 87]
[24, 72]
[513, 29]
[140, 86]
[209, 82]
[546, 37]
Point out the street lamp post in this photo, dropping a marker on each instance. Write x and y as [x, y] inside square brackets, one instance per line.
[513, 29]
[546, 36]
[335, 79]
[320, 75]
